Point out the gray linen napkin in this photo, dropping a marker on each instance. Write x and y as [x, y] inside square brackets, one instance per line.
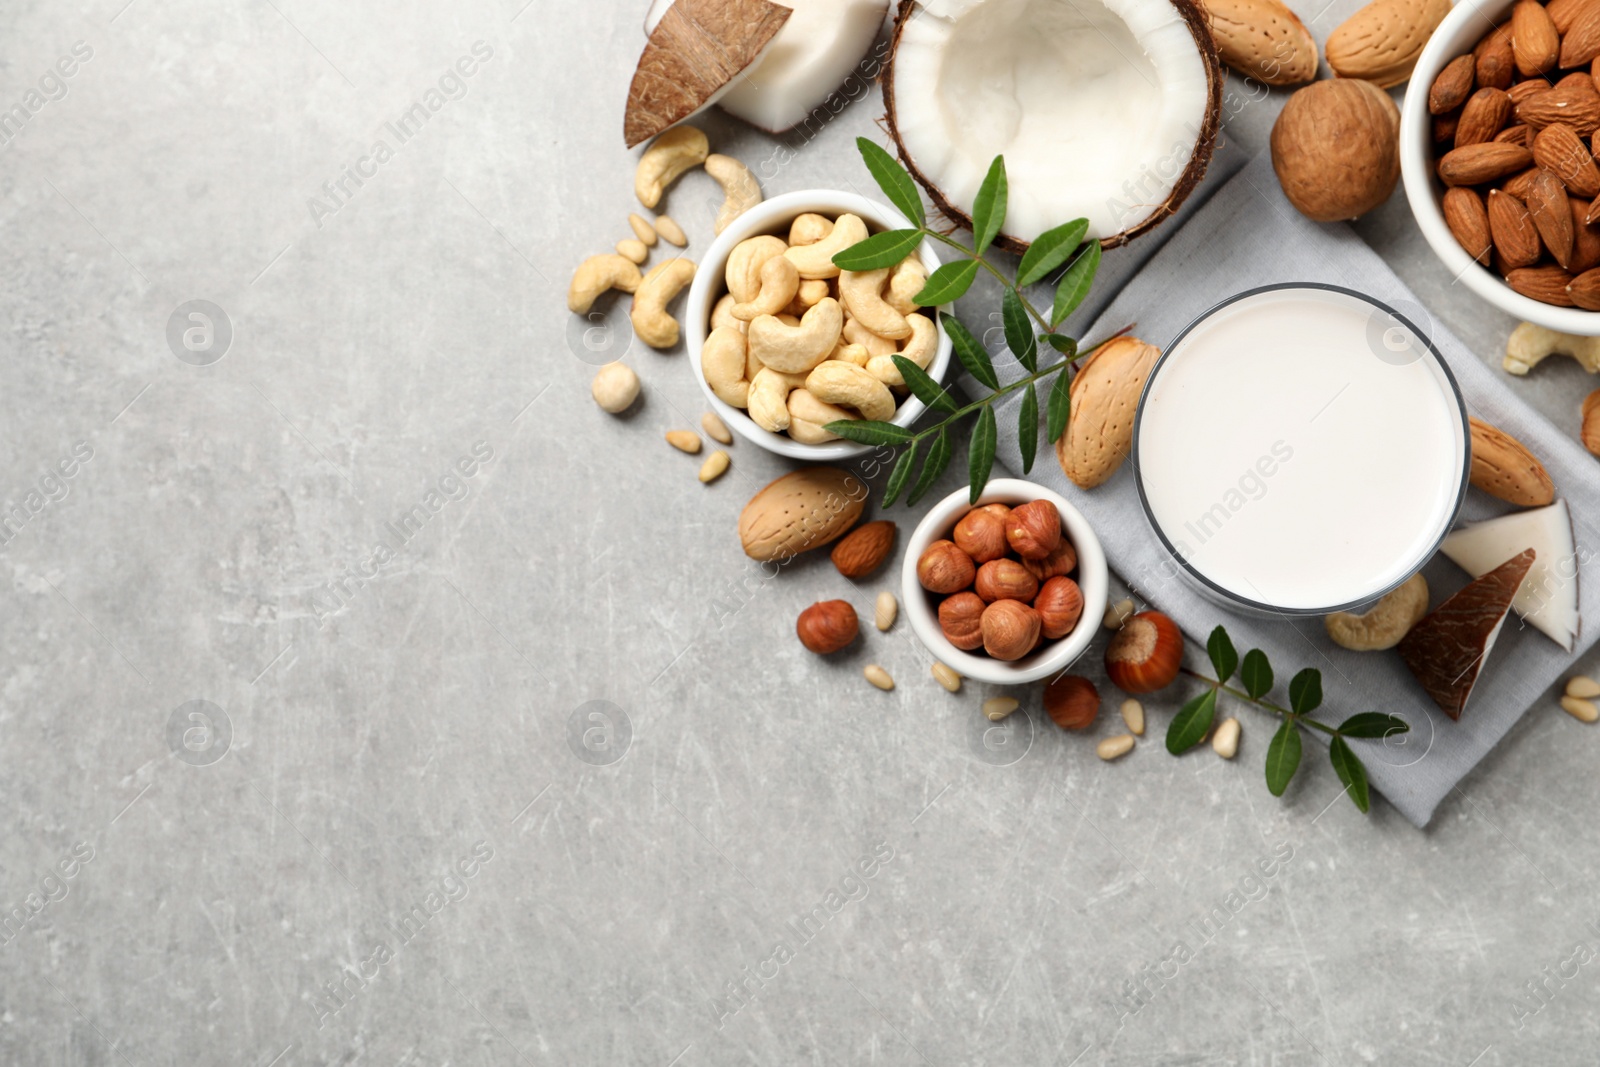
[1247, 235]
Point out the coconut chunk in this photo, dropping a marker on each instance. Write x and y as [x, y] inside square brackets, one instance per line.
[1548, 598]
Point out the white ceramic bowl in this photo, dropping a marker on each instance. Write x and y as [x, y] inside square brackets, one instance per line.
[1050, 657]
[1463, 28]
[774, 216]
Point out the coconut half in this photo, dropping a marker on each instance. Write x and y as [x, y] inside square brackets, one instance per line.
[1104, 109]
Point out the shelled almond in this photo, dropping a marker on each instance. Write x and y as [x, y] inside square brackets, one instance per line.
[1514, 126]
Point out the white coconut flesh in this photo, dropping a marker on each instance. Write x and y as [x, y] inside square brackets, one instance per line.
[1097, 105]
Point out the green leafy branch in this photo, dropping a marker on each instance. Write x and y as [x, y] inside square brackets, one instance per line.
[1024, 325]
[1194, 719]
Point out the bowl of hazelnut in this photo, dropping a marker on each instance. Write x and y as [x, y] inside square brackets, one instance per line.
[1008, 590]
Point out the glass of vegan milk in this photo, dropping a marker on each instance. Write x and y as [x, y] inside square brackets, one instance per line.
[1301, 449]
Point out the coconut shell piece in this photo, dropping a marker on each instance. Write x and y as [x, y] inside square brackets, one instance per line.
[697, 48]
[1446, 651]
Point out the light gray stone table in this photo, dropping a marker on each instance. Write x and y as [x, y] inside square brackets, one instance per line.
[378, 842]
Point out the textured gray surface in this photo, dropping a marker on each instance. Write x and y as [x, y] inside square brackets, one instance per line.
[376, 743]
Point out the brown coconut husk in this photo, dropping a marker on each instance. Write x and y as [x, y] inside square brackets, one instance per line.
[1194, 17]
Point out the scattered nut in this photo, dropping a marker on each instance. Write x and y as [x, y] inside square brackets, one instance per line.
[884, 611]
[944, 568]
[1336, 149]
[961, 620]
[651, 322]
[878, 677]
[665, 161]
[684, 440]
[671, 231]
[1117, 614]
[1114, 747]
[1010, 629]
[633, 249]
[1146, 653]
[1385, 623]
[863, 550]
[949, 679]
[1582, 710]
[1072, 702]
[1528, 346]
[597, 274]
[1225, 741]
[1133, 715]
[642, 229]
[714, 466]
[1583, 687]
[740, 190]
[1589, 428]
[715, 428]
[615, 387]
[997, 708]
[827, 626]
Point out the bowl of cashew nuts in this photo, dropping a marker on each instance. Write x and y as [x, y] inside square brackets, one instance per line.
[784, 342]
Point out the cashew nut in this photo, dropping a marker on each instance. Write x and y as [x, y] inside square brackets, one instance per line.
[779, 283]
[816, 260]
[597, 274]
[768, 400]
[837, 382]
[919, 350]
[722, 361]
[811, 291]
[857, 334]
[740, 190]
[743, 272]
[808, 416]
[1529, 344]
[722, 315]
[1388, 621]
[906, 279]
[665, 161]
[651, 323]
[809, 228]
[862, 293]
[856, 354]
[796, 349]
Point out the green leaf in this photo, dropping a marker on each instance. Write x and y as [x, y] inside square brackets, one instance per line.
[1049, 250]
[868, 432]
[880, 250]
[950, 282]
[938, 459]
[989, 206]
[1256, 674]
[899, 476]
[923, 387]
[892, 179]
[1075, 283]
[1192, 723]
[972, 355]
[1223, 657]
[1059, 407]
[1352, 772]
[980, 454]
[1305, 690]
[1019, 331]
[1373, 724]
[1283, 757]
[1067, 346]
[1028, 427]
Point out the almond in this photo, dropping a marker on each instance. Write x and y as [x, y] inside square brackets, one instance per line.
[1445, 126]
[1548, 285]
[1464, 213]
[1585, 291]
[1381, 42]
[1547, 203]
[1535, 44]
[1580, 78]
[1581, 42]
[1452, 87]
[1104, 396]
[1517, 184]
[1495, 59]
[1591, 422]
[1515, 236]
[1483, 116]
[864, 549]
[1558, 149]
[802, 510]
[1475, 164]
[1585, 239]
[1562, 12]
[1264, 40]
[1575, 105]
[1503, 467]
[1514, 135]
[1522, 90]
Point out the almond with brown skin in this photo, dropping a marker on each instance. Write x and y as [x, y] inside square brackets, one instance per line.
[1503, 467]
[1494, 58]
[1547, 203]
[1548, 285]
[1575, 105]
[1535, 44]
[1475, 164]
[1580, 78]
[1581, 42]
[1512, 229]
[1522, 90]
[1585, 290]
[1514, 135]
[1562, 12]
[1444, 127]
[1558, 149]
[1482, 116]
[1591, 422]
[864, 549]
[1585, 239]
[1517, 184]
[1464, 213]
[1452, 87]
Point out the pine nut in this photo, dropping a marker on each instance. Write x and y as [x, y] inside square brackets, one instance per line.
[715, 428]
[671, 231]
[946, 677]
[1117, 614]
[1580, 709]
[1133, 715]
[884, 612]
[645, 232]
[714, 465]
[1113, 747]
[1583, 687]
[878, 677]
[684, 440]
[1226, 742]
[997, 708]
[634, 250]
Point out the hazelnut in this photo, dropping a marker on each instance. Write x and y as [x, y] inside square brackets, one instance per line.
[1034, 529]
[1061, 561]
[1005, 579]
[1060, 606]
[1002, 510]
[1010, 629]
[1072, 702]
[1145, 654]
[827, 626]
[960, 617]
[981, 534]
[944, 568]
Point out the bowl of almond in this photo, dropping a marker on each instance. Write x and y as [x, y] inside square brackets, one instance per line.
[1009, 590]
[1497, 151]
